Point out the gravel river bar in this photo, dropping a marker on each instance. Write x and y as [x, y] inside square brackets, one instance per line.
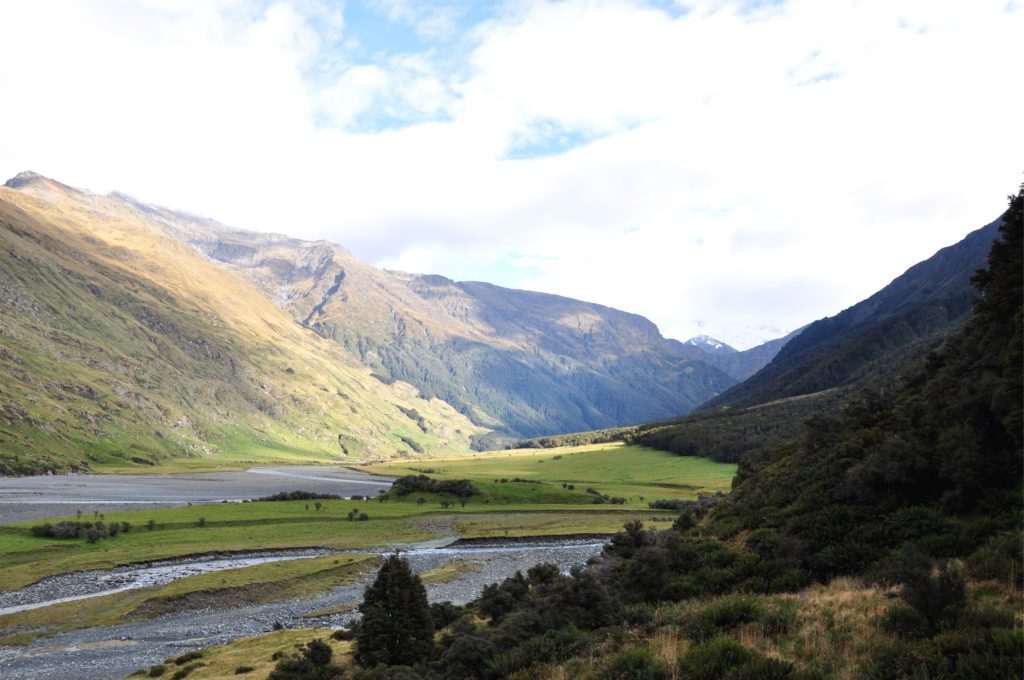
[46, 496]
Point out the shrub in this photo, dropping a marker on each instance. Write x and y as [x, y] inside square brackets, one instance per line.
[903, 620]
[302, 496]
[724, 658]
[404, 486]
[713, 659]
[444, 614]
[722, 616]
[382, 672]
[202, 521]
[157, 670]
[185, 658]
[551, 647]
[639, 614]
[466, 656]
[939, 596]
[241, 670]
[311, 664]
[185, 671]
[635, 664]
[999, 558]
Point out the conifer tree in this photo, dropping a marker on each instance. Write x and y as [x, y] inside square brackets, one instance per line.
[396, 628]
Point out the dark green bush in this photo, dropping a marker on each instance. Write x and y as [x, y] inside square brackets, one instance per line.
[185, 658]
[241, 670]
[185, 671]
[636, 663]
[382, 672]
[444, 614]
[904, 621]
[725, 659]
[157, 670]
[720, 617]
[998, 559]
[299, 496]
[312, 664]
[404, 486]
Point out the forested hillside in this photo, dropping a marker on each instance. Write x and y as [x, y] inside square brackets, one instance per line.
[929, 299]
[896, 523]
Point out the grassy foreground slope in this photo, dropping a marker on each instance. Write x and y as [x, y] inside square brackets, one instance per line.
[120, 346]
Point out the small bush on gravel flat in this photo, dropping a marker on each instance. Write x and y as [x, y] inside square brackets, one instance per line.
[189, 656]
[185, 671]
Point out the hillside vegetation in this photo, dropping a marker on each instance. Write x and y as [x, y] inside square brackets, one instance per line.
[883, 543]
[121, 346]
[930, 299]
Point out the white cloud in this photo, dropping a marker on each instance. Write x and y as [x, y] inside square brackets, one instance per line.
[742, 167]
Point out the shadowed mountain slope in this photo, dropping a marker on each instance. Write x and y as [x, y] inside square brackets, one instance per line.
[931, 298]
[120, 345]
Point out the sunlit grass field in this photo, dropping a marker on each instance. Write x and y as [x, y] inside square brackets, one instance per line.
[612, 469]
[513, 509]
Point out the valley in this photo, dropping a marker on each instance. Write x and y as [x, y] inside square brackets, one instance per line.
[142, 595]
[855, 477]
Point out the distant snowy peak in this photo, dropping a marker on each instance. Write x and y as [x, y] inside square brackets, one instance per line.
[710, 344]
[740, 337]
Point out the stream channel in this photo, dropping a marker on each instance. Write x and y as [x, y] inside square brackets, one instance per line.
[113, 652]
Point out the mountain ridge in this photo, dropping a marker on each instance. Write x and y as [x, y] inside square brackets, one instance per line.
[522, 362]
[121, 346]
[931, 297]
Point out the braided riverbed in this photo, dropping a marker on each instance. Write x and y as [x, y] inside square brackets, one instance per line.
[113, 652]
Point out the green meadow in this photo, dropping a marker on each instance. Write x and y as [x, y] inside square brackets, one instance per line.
[540, 506]
[636, 473]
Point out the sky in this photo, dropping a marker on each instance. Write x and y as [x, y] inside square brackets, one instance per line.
[732, 167]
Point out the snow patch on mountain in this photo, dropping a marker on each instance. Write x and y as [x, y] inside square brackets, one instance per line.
[738, 336]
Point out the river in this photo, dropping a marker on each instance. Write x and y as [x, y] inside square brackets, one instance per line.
[113, 652]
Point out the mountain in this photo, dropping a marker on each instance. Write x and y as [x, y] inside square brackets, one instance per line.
[931, 298]
[710, 345]
[894, 524]
[872, 345]
[122, 346]
[518, 362]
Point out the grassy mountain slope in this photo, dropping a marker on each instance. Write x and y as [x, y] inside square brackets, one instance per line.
[522, 362]
[120, 345]
[931, 297]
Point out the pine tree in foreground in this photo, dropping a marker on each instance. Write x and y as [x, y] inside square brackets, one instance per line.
[396, 628]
